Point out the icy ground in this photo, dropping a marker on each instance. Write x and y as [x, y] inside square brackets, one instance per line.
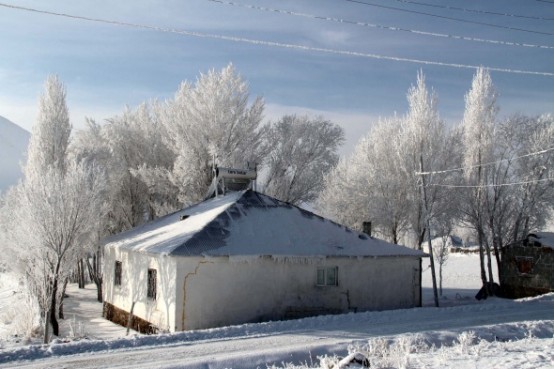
[495, 333]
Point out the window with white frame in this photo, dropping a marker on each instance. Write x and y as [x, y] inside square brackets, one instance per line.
[151, 292]
[328, 276]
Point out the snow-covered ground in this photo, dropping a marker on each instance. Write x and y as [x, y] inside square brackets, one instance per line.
[495, 333]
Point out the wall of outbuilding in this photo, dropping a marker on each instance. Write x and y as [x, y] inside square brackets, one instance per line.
[218, 291]
[526, 270]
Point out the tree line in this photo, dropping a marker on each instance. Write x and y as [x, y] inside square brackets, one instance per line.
[144, 163]
[413, 176]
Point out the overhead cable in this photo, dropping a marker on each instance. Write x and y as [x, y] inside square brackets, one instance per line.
[378, 26]
[450, 18]
[492, 185]
[486, 164]
[278, 44]
[478, 11]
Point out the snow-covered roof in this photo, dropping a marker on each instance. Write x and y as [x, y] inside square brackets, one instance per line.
[248, 223]
[546, 239]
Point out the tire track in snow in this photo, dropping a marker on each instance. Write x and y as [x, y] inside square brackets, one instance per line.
[315, 336]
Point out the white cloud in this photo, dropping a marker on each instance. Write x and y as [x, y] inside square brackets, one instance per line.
[24, 112]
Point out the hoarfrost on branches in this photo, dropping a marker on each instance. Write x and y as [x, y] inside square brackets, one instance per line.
[212, 119]
[300, 152]
[54, 210]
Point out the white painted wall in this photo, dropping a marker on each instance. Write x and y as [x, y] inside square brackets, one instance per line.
[223, 292]
[198, 292]
[160, 312]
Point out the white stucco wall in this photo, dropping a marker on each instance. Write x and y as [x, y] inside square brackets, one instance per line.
[134, 284]
[221, 292]
[198, 292]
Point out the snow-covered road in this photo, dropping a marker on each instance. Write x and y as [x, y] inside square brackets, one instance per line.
[253, 345]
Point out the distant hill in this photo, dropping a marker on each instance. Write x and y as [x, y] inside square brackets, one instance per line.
[13, 148]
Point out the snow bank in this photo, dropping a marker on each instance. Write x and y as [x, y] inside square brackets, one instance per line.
[494, 320]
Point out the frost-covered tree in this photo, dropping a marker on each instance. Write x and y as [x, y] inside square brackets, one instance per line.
[63, 211]
[424, 151]
[136, 140]
[521, 155]
[384, 172]
[534, 199]
[368, 185]
[50, 135]
[54, 210]
[300, 152]
[133, 150]
[340, 197]
[479, 123]
[506, 173]
[442, 226]
[425, 148]
[211, 119]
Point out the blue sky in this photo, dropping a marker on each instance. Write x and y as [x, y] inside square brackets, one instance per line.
[107, 66]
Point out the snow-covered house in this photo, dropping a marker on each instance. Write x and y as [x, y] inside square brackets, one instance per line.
[247, 257]
[527, 266]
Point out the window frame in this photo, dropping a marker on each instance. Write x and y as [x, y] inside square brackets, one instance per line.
[118, 272]
[151, 289]
[323, 274]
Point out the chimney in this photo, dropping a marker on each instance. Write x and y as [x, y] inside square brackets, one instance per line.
[367, 228]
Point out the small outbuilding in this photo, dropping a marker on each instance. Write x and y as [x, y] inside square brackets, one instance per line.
[247, 257]
[527, 266]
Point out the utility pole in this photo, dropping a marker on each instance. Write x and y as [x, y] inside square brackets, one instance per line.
[428, 226]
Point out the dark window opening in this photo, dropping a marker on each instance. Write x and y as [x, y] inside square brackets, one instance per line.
[117, 273]
[525, 264]
[151, 292]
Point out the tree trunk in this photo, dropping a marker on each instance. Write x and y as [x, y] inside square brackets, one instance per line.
[480, 226]
[99, 296]
[421, 239]
[99, 275]
[80, 274]
[96, 277]
[440, 279]
[53, 320]
[433, 276]
[489, 268]
[482, 257]
[91, 273]
[497, 245]
[60, 310]
[46, 325]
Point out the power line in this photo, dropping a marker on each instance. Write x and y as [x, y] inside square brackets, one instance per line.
[478, 11]
[486, 164]
[450, 18]
[278, 44]
[492, 185]
[378, 26]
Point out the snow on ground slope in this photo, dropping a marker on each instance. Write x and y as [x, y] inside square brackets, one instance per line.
[506, 334]
[13, 145]
[461, 279]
